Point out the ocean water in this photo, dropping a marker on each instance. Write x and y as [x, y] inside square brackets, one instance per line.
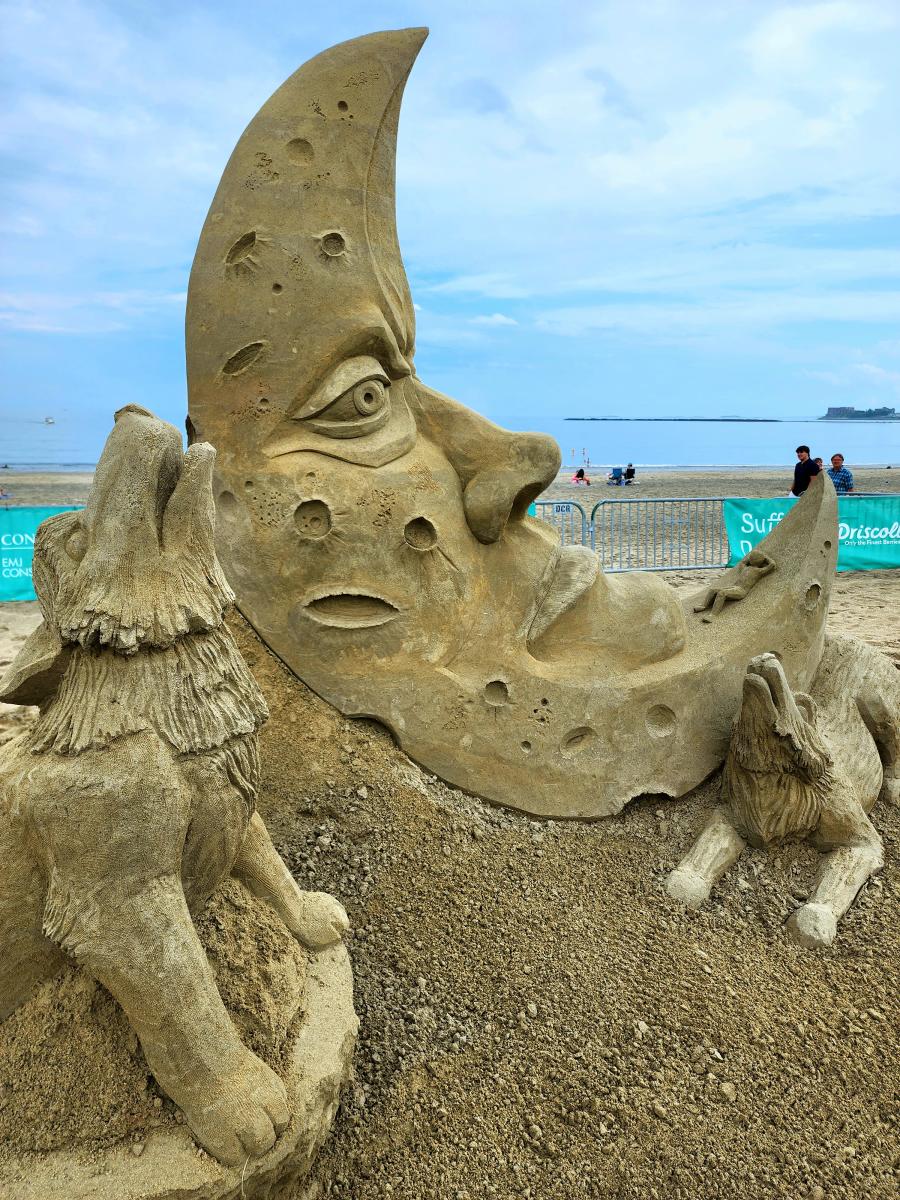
[66, 446]
[725, 443]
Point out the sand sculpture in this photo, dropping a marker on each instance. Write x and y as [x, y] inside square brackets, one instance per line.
[806, 766]
[375, 532]
[750, 570]
[132, 799]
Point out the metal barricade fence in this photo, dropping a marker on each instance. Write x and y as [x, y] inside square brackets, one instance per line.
[568, 517]
[687, 534]
[683, 534]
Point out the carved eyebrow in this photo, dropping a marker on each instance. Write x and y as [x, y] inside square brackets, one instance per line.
[344, 376]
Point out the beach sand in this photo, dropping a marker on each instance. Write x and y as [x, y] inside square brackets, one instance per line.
[39, 488]
[733, 481]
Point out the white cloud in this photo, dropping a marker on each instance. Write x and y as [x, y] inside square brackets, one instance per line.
[89, 312]
[675, 321]
[785, 38]
[829, 377]
[880, 375]
[492, 285]
[494, 319]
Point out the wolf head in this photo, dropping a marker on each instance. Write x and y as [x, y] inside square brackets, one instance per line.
[136, 568]
[778, 769]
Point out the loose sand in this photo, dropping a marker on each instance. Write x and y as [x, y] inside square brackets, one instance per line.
[538, 1020]
[58, 487]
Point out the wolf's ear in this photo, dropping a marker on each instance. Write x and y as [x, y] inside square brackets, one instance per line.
[190, 516]
[35, 673]
[189, 522]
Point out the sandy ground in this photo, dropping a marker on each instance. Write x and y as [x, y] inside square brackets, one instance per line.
[538, 1020]
[45, 488]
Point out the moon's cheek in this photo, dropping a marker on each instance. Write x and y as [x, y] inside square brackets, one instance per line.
[351, 568]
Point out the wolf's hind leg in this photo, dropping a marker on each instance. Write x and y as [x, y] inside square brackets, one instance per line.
[314, 918]
[718, 847]
[28, 956]
[879, 707]
[840, 877]
[140, 943]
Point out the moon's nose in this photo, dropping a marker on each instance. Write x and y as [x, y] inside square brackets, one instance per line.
[501, 471]
[502, 493]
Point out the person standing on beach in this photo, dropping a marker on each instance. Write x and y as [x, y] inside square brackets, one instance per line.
[805, 469]
[840, 476]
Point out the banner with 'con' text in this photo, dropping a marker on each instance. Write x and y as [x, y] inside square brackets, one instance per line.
[17, 529]
[868, 529]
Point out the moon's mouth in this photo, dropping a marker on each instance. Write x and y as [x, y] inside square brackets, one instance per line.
[350, 610]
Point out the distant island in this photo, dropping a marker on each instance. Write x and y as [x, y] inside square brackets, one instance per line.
[861, 414]
[736, 420]
[833, 414]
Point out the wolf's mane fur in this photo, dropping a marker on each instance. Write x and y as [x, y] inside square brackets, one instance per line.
[197, 695]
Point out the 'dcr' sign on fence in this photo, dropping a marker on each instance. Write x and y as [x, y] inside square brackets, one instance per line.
[17, 529]
[868, 529]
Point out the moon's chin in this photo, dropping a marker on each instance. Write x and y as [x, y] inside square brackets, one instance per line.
[350, 610]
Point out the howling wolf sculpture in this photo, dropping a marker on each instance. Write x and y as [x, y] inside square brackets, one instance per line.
[133, 795]
[807, 766]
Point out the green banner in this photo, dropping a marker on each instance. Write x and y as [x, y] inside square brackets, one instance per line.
[868, 529]
[17, 529]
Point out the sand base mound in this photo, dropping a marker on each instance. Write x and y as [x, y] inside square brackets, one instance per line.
[539, 1020]
[81, 1117]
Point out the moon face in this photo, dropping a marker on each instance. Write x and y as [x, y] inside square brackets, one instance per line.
[375, 532]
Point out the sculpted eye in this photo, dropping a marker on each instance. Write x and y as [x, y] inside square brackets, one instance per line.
[76, 544]
[352, 401]
[359, 410]
[369, 397]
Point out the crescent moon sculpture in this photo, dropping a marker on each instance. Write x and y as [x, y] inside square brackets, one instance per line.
[375, 532]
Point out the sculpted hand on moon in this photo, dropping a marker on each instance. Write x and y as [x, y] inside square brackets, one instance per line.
[375, 531]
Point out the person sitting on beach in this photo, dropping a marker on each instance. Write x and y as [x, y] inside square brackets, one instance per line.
[804, 471]
[840, 476]
[580, 477]
[630, 473]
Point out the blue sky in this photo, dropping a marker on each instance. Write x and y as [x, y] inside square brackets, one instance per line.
[640, 207]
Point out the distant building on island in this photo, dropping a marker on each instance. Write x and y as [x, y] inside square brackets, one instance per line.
[861, 414]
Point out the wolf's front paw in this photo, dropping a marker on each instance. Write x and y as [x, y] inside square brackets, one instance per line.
[687, 886]
[240, 1115]
[813, 926]
[317, 919]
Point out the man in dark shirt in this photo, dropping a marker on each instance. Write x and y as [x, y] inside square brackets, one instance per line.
[803, 472]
